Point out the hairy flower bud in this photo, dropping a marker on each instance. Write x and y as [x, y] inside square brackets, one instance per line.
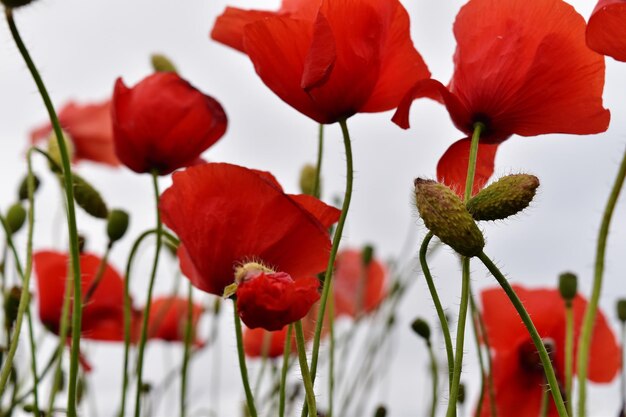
[117, 224]
[507, 196]
[22, 192]
[54, 152]
[16, 215]
[421, 328]
[161, 63]
[568, 286]
[308, 175]
[88, 198]
[445, 215]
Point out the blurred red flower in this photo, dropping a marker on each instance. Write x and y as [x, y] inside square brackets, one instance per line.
[606, 29]
[358, 288]
[103, 313]
[519, 380]
[90, 129]
[521, 67]
[328, 59]
[168, 319]
[228, 217]
[163, 123]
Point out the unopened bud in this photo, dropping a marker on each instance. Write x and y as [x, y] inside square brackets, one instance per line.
[308, 177]
[367, 254]
[445, 215]
[22, 192]
[421, 328]
[507, 196]
[461, 394]
[16, 216]
[89, 199]
[54, 152]
[621, 310]
[161, 63]
[117, 224]
[568, 285]
[11, 305]
[381, 411]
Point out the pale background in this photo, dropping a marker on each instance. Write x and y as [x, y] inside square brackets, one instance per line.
[81, 47]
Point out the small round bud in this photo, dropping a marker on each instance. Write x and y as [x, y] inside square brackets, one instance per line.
[161, 63]
[621, 310]
[461, 395]
[568, 285]
[308, 175]
[117, 224]
[381, 411]
[54, 152]
[16, 216]
[445, 215]
[11, 305]
[367, 254]
[89, 199]
[146, 388]
[421, 328]
[505, 197]
[22, 192]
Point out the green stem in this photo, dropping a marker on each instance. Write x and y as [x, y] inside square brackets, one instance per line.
[146, 313]
[71, 214]
[584, 342]
[543, 409]
[333, 252]
[304, 369]
[283, 373]
[99, 274]
[435, 376]
[471, 163]
[318, 168]
[569, 354]
[331, 355]
[242, 364]
[553, 384]
[443, 321]
[479, 350]
[187, 352]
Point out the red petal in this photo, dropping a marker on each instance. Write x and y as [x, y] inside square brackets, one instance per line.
[452, 167]
[606, 30]
[168, 319]
[229, 25]
[259, 342]
[325, 214]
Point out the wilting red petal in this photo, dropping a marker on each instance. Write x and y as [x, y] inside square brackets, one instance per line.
[226, 215]
[164, 123]
[357, 289]
[168, 319]
[452, 167]
[90, 129]
[273, 300]
[606, 29]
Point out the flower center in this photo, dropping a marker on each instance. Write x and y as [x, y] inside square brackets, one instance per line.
[529, 358]
[249, 270]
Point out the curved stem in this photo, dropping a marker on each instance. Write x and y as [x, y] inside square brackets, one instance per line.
[443, 321]
[553, 384]
[283, 373]
[318, 168]
[71, 213]
[242, 364]
[187, 352]
[435, 376]
[584, 342]
[304, 369]
[146, 313]
[569, 354]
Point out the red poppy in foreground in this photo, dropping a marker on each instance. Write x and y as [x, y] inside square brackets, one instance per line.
[164, 123]
[519, 380]
[90, 129]
[358, 287]
[521, 67]
[328, 59]
[103, 312]
[606, 30]
[236, 225]
[168, 319]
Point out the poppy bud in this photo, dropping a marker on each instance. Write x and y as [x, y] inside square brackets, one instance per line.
[16, 217]
[621, 310]
[308, 175]
[117, 224]
[568, 286]
[89, 199]
[54, 152]
[505, 197]
[421, 328]
[461, 395]
[161, 63]
[367, 254]
[22, 192]
[11, 304]
[445, 215]
[381, 411]
[12, 4]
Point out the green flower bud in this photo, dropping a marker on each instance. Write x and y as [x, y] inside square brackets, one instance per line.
[621, 310]
[89, 199]
[421, 328]
[568, 285]
[117, 224]
[381, 411]
[308, 174]
[161, 63]
[22, 192]
[11, 304]
[445, 215]
[54, 152]
[461, 395]
[503, 198]
[16, 216]
[367, 254]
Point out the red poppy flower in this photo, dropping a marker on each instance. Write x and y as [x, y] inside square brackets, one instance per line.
[227, 216]
[90, 129]
[163, 123]
[521, 67]
[606, 30]
[328, 59]
[168, 319]
[357, 288]
[519, 380]
[103, 313]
